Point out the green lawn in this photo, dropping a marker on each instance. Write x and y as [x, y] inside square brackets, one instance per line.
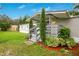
[12, 37]
[12, 43]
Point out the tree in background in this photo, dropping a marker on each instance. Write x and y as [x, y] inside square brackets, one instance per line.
[5, 18]
[43, 26]
[5, 22]
[76, 6]
[4, 26]
[22, 20]
[75, 11]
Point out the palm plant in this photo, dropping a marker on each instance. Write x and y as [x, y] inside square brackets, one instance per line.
[76, 6]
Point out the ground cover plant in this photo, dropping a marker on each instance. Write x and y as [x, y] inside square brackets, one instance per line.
[55, 42]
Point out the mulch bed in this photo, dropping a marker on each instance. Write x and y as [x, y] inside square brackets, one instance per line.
[75, 50]
[49, 47]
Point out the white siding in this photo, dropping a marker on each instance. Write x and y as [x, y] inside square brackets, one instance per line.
[24, 28]
[76, 39]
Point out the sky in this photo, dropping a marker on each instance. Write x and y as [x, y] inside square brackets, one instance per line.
[15, 10]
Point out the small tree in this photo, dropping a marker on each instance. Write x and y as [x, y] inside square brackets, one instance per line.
[30, 24]
[43, 26]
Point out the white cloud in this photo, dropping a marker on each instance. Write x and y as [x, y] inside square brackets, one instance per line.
[22, 6]
[34, 10]
[39, 10]
[47, 9]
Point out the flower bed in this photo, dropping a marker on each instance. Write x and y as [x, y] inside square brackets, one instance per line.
[49, 47]
[59, 47]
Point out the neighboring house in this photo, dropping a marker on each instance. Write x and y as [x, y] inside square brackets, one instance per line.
[13, 28]
[24, 28]
[54, 21]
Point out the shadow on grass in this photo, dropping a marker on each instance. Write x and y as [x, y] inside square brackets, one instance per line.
[3, 41]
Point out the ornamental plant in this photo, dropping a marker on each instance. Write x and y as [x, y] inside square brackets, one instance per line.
[30, 24]
[70, 42]
[42, 26]
[52, 41]
[62, 41]
[64, 33]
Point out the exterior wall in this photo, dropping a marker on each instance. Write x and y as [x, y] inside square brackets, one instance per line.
[73, 24]
[54, 30]
[51, 29]
[13, 28]
[24, 28]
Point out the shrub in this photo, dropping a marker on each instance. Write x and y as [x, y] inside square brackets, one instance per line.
[54, 42]
[62, 41]
[4, 26]
[65, 52]
[48, 41]
[64, 33]
[70, 42]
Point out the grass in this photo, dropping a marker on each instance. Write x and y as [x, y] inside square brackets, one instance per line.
[12, 37]
[12, 43]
